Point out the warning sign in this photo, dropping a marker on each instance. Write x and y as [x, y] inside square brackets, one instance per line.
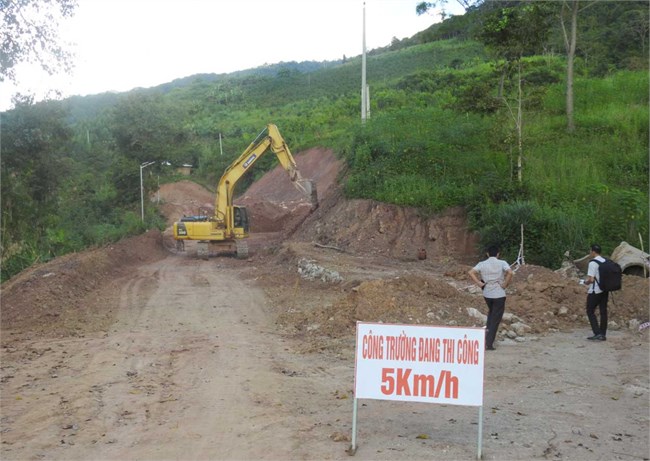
[420, 363]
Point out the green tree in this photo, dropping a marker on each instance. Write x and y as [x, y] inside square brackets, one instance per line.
[424, 7]
[512, 30]
[32, 166]
[147, 128]
[29, 31]
[571, 8]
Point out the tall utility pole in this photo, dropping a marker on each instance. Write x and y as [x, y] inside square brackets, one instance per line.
[143, 166]
[365, 99]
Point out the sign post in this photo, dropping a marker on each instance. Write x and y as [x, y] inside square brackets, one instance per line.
[415, 363]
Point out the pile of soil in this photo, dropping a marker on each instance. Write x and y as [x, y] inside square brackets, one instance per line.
[548, 301]
[319, 165]
[540, 301]
[53, 296]
[275, 204]
[367, 226]
[183, 198]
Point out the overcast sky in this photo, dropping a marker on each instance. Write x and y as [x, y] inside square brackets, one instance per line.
[125, 44]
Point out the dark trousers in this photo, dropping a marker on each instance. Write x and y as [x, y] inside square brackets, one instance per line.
[496, 307]
[597, 300]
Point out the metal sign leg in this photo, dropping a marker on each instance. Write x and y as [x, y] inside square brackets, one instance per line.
[480, 432]
[353, 447]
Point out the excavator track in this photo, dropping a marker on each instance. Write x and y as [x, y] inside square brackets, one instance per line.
[202, 250]
[241, 249]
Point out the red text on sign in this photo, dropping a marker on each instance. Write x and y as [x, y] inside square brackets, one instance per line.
[429, 350]
[372, 347]
[402, 381]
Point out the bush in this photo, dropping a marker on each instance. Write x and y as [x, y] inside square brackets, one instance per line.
[548, 232]
[21, 256]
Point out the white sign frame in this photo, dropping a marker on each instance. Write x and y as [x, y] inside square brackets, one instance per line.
[419, 363]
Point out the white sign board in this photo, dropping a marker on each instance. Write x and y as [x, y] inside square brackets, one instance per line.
[419, 363]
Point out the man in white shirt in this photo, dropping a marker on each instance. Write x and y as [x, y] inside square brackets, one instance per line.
[596, 297]
[493, 275]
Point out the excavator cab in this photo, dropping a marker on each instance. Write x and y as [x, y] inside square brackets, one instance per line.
[240, 218]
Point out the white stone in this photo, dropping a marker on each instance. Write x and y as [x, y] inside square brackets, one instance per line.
[611, 325]
[509, 318]
[520, 328]
[475, 313]
[511, 334]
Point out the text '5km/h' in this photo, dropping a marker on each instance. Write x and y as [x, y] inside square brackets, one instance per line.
[402, 382]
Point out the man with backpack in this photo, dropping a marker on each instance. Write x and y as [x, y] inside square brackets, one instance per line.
[603, 276]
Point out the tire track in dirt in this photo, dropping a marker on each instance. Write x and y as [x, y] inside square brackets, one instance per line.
[189, 370]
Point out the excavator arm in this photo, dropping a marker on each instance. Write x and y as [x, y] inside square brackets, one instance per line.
[269, 138]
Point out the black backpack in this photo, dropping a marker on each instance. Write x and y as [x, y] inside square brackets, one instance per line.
[610, 275]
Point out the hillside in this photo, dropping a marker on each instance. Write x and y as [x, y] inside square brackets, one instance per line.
[449, 130]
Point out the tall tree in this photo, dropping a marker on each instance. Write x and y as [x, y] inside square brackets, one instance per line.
[32, 167]
[424, 7]
[29, 31]
[512, 30]
[570, 8]
[570, 40]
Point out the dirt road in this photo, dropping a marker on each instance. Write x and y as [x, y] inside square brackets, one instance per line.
[193, 368]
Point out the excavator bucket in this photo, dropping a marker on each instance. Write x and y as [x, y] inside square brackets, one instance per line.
[308, 187]
[313, 195]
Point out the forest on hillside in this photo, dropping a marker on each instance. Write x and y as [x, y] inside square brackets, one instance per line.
[501, 111]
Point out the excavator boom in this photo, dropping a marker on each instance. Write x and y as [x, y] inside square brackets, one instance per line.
[269, 138]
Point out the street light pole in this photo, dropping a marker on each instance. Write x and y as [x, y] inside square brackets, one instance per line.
[365, 98]
[143, 166]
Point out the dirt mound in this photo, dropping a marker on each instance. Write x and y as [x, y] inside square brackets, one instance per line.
[53, 295]
[276, 217]
[546, 300]
[409, 299]
[540, 301]
[319, 165]
[275, 204]
[183, 198]
[367, 226]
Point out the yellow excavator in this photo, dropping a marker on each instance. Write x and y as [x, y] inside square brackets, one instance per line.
[228, 228]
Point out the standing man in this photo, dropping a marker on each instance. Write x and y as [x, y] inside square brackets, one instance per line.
[493, 275]
[596, 297]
